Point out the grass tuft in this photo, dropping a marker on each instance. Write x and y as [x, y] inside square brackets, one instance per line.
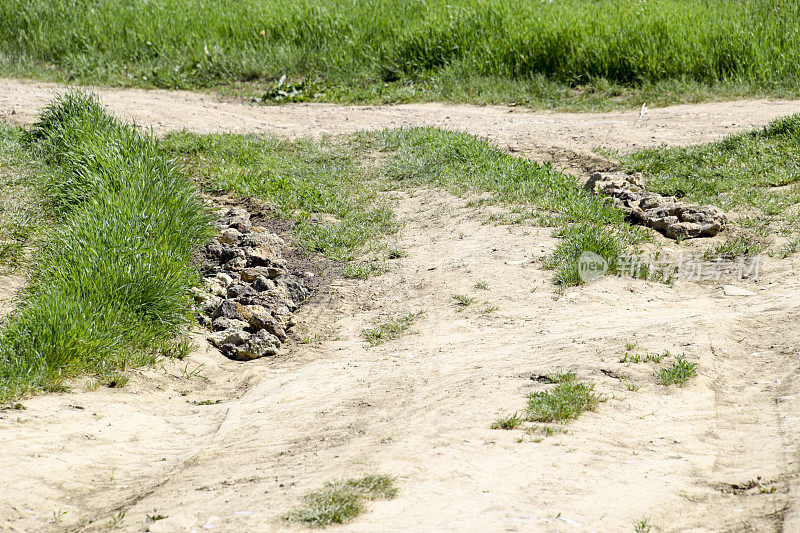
[391, 329]
[110, 284]
[508, 422]
[677, 373]
[564, 402]
[341, 501]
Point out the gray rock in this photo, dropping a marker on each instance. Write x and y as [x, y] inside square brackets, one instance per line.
[235, 337]
[223, 323]
[258, 345]
[240, 290]
[230, 236]
[262, 283]
[270, 272]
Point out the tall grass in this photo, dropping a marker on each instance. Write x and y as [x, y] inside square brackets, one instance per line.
[109, 287]
[456, 48]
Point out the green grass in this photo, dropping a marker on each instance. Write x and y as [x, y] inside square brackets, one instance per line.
[392, 329]
[563, 402]
[508, 422]
[677, 373]
[20, 211]
[333, 189]
[755, 174]
[109, 288]
[575, 53]
[341, 501]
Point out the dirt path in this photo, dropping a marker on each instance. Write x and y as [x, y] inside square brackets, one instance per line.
[566, 139]
[420, 407]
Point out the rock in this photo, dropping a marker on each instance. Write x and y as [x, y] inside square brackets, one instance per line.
[228, 309]
[733, 290]
[270, 272]
[209, 303]
[222, 323]
[230, 236]
[258, 345]
[683, 230]
[261, 319]
[216, 288]
[667, 214]
[234, 337]
[295, 290]
[240, 290]
[263, 284]
[224, 279]
[261, 256]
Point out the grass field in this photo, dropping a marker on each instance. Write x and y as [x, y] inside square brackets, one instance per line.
[109, 286]
[565, 53]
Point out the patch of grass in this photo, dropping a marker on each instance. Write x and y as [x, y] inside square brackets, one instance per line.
[631, 385]
[21, 212]
[571, 53]
[462, 301]
[395, 253]
[677, 373]
[320, 186]
[341, 501]
[508, 422]
[391, 329]
[207, 402]
[110, 284]
[116, 380]
[481, 285]
[739, 245]
[756, 174]
[564, 402]
[359, 270]
[330, 189]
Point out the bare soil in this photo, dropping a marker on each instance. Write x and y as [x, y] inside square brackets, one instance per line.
[705, 456]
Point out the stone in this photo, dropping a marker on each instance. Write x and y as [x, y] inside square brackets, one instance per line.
[683, 230]
[261, 256]
[251, 273]
[230, 236]
[224, 279]
[235, 337]
[258, 345]
[240, 290]
[222, 323]
[262, 283]
[209, 303]
[228, 309]
[261, 319]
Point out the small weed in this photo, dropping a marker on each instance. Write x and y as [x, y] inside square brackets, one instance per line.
[339, 502]
[311, 339]
[156, 516]
[630, 358]
[631, 346]
[196, 372]
[58, 516]
[362, 270]
[391, 329]
[490, 309]
[642, 526]
[395, 253]
[481, 285]
[656, 357]
[507, 422]
[763, 489]
[631, 386]
[462, 301]
[116, 520]
[184, 392]
[564, 402]
[678, 373]
[206, 402]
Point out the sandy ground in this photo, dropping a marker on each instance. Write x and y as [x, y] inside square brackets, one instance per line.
[420, 407]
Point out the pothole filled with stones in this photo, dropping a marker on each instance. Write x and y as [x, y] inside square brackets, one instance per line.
[249, 296]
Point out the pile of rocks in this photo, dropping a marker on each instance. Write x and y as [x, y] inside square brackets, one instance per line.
[249, 298]
[673, 218]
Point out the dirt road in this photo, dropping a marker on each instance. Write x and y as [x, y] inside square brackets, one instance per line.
[719, 454]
